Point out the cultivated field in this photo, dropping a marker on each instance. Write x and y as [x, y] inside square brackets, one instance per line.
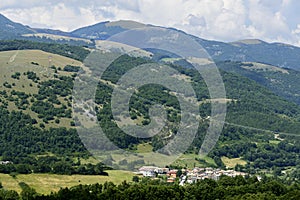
[46, 183]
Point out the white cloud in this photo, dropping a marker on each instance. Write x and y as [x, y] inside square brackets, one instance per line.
[297, 30]
[226, 20]
[267, 21]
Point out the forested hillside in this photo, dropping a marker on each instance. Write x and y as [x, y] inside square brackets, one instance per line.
[37, 126]
[282, 81]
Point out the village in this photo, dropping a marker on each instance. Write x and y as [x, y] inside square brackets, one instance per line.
[187, 175]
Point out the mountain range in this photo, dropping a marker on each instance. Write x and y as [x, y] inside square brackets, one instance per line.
[249, 50]
[268, 56]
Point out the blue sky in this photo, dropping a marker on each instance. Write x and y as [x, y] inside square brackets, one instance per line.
[224, 20]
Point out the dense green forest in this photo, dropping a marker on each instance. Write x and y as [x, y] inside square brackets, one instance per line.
[225, 188]
[75, 52]
[21, 142]
[282, 81]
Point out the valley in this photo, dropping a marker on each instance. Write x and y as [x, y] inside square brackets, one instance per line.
[265, 110]
[47, 143]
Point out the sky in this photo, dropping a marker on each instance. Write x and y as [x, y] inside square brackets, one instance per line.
[223, 20]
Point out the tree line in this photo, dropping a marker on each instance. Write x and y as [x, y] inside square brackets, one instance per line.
[226, 188]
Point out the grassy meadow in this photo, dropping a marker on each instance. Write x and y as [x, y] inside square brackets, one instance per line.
[47, 183]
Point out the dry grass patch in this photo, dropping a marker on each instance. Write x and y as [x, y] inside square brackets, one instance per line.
[232, 162]
[46, 183]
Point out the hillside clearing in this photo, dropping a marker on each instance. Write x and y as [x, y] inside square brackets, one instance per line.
[47, 183]
[232, 162]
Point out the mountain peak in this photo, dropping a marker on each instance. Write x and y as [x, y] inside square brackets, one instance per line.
[249, 41]
[104, 30]
[126, 24]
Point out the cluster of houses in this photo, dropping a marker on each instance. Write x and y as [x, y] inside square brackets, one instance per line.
[187, 175]
[196, 174]
[152, 172]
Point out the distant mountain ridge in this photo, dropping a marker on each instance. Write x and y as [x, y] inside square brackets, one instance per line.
[51, 31]
[12, 30]
[248, 50]
[104, 30]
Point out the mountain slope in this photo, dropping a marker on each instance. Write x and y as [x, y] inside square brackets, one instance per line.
[104, 30]
[98, 31]
[282, 81]
[253, 50]
[12, 30]
[276, 54]
[53, 32]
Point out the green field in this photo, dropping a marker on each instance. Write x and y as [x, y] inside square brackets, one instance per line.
[46, 183]
[189, 161]
[144, 148]
[231, 163]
